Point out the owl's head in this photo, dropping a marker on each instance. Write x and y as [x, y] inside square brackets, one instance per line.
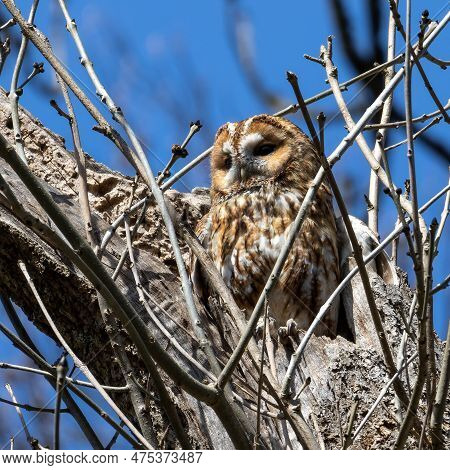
[259, 150]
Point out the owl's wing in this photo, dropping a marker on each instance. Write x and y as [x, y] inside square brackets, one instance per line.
[381, 265]
[199, 283]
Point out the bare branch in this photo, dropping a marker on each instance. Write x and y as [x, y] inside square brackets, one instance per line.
[61, 372]
[38, 409]
[42, 363]
[423, 346]
[260, 381]
[81, 164]
[442, 285]
[5, 49]
[396, 125]
[442, 63]
[436, 120]
[38, 358]
[410, 51]
[442, 221]
[8, 24]
[385, 116]
[34, 443]
[79, 363]
[38, 67]
[14, 92]
[441, 397]
[179, 151]
[81, 383]
[351, 420]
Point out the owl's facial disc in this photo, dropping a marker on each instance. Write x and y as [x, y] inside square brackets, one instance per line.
[248, 153]
[248, 159]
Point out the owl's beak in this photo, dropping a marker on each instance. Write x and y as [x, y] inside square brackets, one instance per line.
[244, 173]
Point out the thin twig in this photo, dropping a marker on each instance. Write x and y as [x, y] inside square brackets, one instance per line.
[293, 80]
[8, 24]
[442, 285]
[442, 221]
[373, 195]
[81, 383]
[424, 22]
[34, 443]
[179, 151]
[422, 288]
[27, 407]
[39, 360]
[425, 337]
[305, 384]
[260, 380]
[429, 251]
[439, 404]
[38, 67]
[61, 372]
[397, 124]
[5, 49]
[321, 118]
[351, 420]
[402, 356]
[45, 365]
[436, 120]
[85, 370]
[313, 59]
[113, 440]
[395, 243]
[442, 63]
[13, 91]
[394, 194]
[80, 159]
[418, 236]
[410, 51]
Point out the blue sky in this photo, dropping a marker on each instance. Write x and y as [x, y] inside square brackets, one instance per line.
[167, 63]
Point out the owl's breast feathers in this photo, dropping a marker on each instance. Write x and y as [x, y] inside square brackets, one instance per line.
[244, 234]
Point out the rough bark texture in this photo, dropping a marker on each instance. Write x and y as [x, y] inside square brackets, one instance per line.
[340, 370]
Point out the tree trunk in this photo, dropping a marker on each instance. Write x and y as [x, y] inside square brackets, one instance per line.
[341, 370]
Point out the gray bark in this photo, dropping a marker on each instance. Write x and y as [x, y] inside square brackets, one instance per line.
[340, 370]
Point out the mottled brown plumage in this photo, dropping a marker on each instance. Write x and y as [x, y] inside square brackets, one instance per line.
[261, 169]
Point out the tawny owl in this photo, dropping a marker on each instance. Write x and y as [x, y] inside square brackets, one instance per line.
[261, 169]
